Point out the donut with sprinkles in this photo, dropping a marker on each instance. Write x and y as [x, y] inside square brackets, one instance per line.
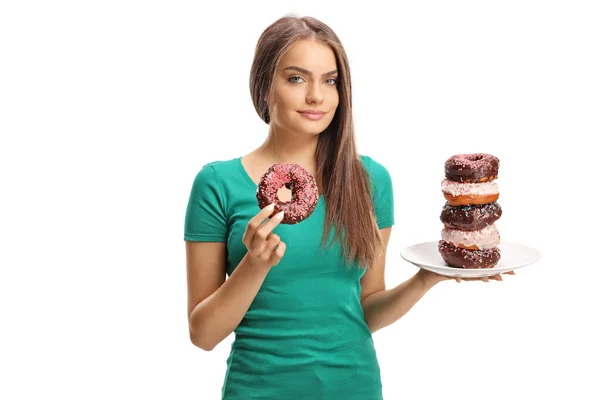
[472, 168]
[305, 192]
[471, 217]
[462, 258]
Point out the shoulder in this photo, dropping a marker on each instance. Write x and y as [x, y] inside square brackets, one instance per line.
[221, 165]
[211, 185]
[216, 169]
[377, 171]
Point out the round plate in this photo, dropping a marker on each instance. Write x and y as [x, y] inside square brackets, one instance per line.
[512, 256]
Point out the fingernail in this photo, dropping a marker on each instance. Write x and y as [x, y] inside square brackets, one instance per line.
[279, 215]
[270, 207]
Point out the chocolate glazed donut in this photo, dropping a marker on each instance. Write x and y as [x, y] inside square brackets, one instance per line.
[462, 258]
[472, 168]
[305, 192]
[472, 217]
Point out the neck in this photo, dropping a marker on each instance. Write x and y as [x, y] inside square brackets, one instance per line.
[290, 148]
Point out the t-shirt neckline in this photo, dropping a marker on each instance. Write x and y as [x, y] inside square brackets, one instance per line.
[247, 177]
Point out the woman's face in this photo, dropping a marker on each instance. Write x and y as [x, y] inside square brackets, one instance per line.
[305, 80]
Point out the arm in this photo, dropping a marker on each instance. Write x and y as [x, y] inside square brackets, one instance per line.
[215, 305]
[383, 307]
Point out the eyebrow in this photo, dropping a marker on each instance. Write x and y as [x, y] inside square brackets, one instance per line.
[307, 72]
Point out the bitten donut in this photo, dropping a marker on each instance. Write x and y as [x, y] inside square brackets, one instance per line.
[472, 168]
[462, 258]
[305, 192]
[470, 218]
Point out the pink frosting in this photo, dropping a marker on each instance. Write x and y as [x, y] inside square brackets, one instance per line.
[460, 189]
[486, 238]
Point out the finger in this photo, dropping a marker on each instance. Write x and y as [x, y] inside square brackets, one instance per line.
[268, 226]
[509, 273]
[270, 246]
[485, 279]
[457, 279]
[265, 230]
[279, 251]
[256, 221]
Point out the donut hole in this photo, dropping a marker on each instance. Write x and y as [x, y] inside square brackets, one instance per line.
[284, 194]
[476, 158]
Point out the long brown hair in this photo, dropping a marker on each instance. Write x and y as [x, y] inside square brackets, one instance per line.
[346, 184]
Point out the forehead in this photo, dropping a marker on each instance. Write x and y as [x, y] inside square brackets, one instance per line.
[310, 54]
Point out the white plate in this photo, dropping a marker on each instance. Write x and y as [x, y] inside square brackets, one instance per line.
[512, 256]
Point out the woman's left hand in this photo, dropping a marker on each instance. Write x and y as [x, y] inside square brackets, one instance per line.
[431, 278]
[497, 277]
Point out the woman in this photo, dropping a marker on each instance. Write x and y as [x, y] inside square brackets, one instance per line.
[302, 299]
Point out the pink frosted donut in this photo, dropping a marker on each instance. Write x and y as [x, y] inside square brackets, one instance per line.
[472, 168]
[482, 239]
[305, 192]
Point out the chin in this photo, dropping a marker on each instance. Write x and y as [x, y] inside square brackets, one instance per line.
[314, 131]
[314, 128]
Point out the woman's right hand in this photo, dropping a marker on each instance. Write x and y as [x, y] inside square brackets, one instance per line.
[264, 247]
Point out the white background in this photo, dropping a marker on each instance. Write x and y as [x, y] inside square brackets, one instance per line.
[109, 109]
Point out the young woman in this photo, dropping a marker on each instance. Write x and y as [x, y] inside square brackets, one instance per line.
[302, 299]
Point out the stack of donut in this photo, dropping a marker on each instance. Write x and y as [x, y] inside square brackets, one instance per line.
[469, 237]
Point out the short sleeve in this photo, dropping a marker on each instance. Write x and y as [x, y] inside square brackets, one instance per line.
[383, 194]
[205, 218]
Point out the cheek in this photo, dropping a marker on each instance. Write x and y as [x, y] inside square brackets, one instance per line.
[335, 97]
[282, 101]
[334, 103]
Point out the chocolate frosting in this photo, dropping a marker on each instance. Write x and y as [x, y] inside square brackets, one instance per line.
[462, 258]
[473, 168]
[472, 217]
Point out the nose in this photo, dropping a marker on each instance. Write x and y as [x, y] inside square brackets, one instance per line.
[314, 94]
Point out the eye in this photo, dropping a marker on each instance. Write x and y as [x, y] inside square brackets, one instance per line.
[291, 78]
[334, 81]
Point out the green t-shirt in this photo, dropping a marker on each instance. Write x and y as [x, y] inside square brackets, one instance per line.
[304, 336]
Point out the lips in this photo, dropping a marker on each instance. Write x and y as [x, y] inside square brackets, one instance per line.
[312, 114]
[315, 112]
